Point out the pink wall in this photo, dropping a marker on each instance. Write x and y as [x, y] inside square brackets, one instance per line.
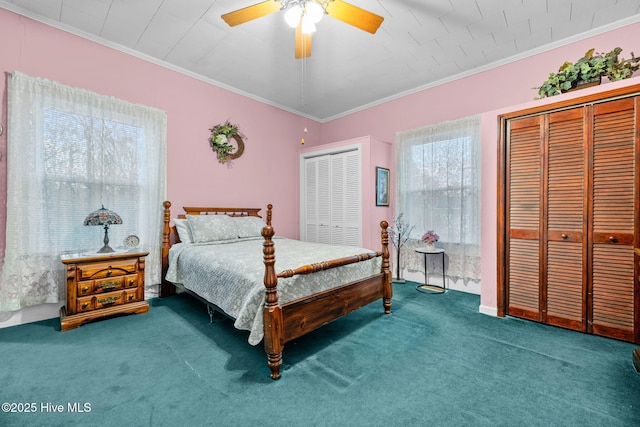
[492, 92]
[266, 173]
[381, 154]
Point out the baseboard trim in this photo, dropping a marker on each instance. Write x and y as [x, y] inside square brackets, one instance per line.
[489, 311]
[34, 313]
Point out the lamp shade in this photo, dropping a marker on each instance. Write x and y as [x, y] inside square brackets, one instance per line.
[103, 217]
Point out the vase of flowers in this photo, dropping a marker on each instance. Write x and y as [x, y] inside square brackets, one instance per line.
[430, 238]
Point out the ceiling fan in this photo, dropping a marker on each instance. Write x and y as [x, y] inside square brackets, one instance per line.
[304, 14]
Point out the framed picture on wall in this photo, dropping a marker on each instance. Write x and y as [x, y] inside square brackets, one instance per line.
[382, 186]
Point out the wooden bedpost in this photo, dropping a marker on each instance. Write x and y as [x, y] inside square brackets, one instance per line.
[269, 208]
[166, 288]
[271, 312]
[388, 289]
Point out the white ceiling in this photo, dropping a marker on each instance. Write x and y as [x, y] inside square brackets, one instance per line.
[420, 43]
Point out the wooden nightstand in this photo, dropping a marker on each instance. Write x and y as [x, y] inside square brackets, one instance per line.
[102, 285]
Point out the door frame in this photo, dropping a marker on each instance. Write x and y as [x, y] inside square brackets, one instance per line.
[322, 152]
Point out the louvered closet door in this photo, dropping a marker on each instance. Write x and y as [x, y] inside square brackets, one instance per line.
[613, 218]
[524, 158]
[317, 199]
[345, 199]
[564, 263]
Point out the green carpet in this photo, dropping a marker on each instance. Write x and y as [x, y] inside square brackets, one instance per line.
[434, 362]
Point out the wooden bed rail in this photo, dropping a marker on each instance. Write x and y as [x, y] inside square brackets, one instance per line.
[326, 265]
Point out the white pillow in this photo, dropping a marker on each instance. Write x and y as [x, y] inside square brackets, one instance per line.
[183, 229]
[212, 228]
[249, 226]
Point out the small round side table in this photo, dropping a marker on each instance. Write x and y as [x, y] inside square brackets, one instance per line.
[429, 288]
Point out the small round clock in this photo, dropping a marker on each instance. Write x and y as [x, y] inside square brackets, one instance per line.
[131, 241]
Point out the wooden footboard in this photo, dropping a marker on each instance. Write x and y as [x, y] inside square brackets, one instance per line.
[286, 322]
[330, 305]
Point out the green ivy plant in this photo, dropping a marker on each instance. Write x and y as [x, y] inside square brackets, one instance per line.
[620, 69]
[591, 67]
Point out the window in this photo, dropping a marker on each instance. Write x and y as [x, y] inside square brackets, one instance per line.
[70, 151]
[438, 189]
[441, 187]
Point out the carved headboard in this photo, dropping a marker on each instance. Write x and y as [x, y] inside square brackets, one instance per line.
[170, 235]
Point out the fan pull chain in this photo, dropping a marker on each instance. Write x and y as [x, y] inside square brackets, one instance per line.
[302, 94]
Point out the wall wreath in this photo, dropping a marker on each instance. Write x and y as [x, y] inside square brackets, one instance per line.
[220, 141]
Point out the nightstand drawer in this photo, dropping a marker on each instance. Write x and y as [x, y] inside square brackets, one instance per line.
[130, 295]
[130, 281]
[106, 300]
[109, 299]
[111, 268]
[99, 301]
[84, 304]
[85, 288]
[108, 285]
[89, 287]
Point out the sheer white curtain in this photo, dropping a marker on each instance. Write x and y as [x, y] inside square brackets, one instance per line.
[438, 188]
[70, 151]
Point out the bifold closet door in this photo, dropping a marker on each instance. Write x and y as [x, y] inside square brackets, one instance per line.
[317, 182]
[613, 217]
[333, 199]
[546, 219]
[346, 213]
[563, 261]
[572, 218]
[524, 183]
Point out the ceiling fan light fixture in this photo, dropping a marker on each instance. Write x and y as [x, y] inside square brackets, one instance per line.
[308, 26]
[307, 13]
[293, 15]
[313, 12]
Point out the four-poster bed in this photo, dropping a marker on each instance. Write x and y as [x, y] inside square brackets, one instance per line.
[306, 294]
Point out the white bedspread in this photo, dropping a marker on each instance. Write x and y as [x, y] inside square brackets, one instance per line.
[230, 274]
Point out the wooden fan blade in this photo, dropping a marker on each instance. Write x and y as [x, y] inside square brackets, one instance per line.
[353, 15]
[250, 13]
[303, 43]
